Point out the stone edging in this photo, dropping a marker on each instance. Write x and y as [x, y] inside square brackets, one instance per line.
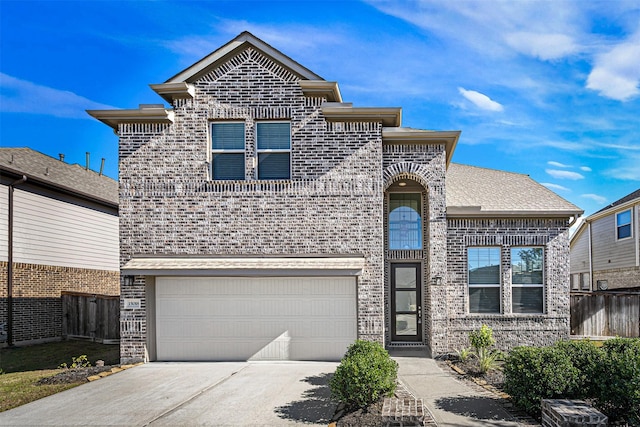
[113, 370]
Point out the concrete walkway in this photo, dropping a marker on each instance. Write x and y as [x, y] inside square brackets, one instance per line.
[452, 402]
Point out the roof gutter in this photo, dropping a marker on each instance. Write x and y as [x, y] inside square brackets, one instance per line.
[477, 212]
[10, 262]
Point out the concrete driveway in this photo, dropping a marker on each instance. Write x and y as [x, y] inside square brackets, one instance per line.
[190, 394]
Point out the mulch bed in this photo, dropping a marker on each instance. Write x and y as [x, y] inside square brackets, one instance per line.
[75, 375]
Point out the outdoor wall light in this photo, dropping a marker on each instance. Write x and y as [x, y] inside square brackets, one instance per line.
[128, 280]
[402, 184]
[438, 280]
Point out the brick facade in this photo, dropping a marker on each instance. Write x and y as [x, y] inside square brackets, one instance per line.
[509, 329]
[618, 278]
[37, 309]
[334, 204]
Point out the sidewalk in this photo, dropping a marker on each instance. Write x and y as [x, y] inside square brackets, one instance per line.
[452, 402]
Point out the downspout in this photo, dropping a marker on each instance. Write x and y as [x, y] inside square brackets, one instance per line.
[10, 264]
[590, 259]
[636, 233]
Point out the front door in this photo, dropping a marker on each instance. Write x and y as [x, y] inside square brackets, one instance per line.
[406, 302]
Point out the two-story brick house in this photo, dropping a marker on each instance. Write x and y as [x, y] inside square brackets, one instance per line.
[261, 217]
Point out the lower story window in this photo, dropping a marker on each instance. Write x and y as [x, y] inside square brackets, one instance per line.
[484, 280]
[527, 280]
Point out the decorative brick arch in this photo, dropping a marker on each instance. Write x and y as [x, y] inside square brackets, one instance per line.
[406, 170]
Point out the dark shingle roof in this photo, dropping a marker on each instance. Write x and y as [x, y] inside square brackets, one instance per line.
[625, 199]
[53, 172]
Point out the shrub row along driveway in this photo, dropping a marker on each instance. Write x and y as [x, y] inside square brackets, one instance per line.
[159, 394]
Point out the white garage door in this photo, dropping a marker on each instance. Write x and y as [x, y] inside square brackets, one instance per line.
[255, 318]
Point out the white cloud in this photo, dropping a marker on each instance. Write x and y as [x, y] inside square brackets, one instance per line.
[626, 169]
[601, 200]
[21, 96]
[293, 39]
[616, 73]
[558, 164]
[559, 174]
[554, 186]
[543, 46]
[480, 100]
[585, 168]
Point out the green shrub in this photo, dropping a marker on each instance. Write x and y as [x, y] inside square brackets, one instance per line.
[586, 357]
[532, 374]
[464, 354]
[617, 380]
[481, 340]
[365, 374]
[77, 362]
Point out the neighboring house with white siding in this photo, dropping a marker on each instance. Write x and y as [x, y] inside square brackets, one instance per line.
[605, 250]
[64, 237]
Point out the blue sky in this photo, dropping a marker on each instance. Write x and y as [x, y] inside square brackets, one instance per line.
[550, 89]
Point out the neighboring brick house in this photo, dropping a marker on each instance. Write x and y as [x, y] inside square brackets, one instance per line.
[261, 217]
[64, 238]
[605, 250]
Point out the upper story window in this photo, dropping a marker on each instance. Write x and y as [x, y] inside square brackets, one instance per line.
[227, 149]
[623, 224]
[273, 141]
[527, 280]
[405, 221]
[484, 279]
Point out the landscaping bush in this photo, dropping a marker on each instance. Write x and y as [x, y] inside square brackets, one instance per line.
[365, 374]
[481, 340]
[586, 357]
[532, 374]
[617, 380]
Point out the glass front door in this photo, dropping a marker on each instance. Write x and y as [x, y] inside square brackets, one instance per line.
[406, 302]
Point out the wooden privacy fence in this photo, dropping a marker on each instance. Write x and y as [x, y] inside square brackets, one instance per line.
[605, 314]
[96, 317]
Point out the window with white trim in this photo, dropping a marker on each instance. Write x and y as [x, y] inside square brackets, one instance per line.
[623, 224]
[227, 150]
[527, 280]
[484, 279]
[273, 142]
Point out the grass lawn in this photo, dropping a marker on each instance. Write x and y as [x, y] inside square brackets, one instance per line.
[22, 367]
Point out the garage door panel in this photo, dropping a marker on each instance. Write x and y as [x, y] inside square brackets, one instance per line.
[255, 318]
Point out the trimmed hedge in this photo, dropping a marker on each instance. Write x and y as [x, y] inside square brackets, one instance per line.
[365, 374]
[609, 376]
[535, 373]
[617, 380]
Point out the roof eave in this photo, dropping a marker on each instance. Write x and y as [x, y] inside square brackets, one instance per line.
[113, 118]
[58, 187]
[171, 91]
[419, 136]
[478, 212]
[321, 88]
[621, 207]
[388, 116]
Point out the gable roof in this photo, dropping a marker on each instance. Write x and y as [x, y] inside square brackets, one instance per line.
[244, 40]
[54, 173]
[478, 192]
[628, 198]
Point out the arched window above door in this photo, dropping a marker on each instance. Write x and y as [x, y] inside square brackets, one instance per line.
[405, 221]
